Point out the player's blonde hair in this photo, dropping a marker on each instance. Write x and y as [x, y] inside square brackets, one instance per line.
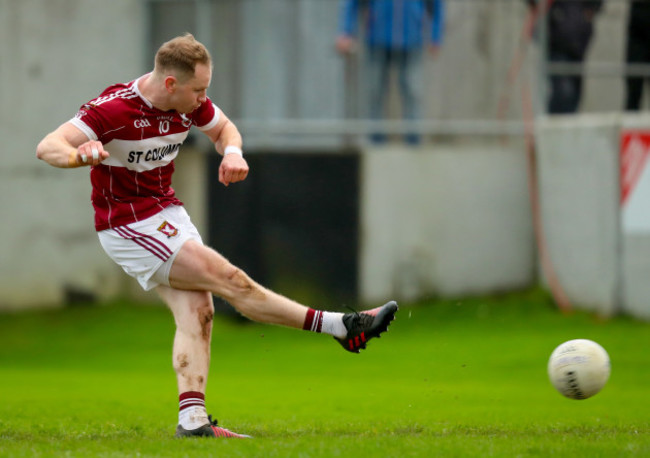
[180, 56]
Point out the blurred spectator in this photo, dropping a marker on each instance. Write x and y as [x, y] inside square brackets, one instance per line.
[638, 50]
[570, 26]
[396, 32]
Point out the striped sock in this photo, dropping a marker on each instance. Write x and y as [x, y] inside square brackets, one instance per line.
[326, 322]
[191, 410]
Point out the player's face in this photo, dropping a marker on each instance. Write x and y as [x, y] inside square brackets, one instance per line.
[193, 92]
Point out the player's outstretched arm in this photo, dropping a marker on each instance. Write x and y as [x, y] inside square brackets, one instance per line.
[68, 147]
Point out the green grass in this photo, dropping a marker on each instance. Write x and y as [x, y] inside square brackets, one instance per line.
[451, 378]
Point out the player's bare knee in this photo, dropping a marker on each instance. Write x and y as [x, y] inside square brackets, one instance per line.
[203, 315]
[194, 317]
[240, 285]
[238, 280]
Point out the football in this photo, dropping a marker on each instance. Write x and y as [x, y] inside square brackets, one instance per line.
[579, 368]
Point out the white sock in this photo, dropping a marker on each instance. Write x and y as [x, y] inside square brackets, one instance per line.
[333, 324]
[327, 322]
[193, 417]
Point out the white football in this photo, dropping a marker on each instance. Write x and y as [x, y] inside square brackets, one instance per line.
[579, 368]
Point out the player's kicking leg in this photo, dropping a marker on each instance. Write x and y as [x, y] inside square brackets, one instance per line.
[198, 267]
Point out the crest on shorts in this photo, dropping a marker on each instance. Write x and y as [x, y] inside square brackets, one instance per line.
[167, 229]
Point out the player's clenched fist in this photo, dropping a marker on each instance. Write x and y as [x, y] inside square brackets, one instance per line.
[233, 168]
[89, 153]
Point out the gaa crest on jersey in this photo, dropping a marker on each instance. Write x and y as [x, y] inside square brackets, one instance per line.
[167, 229]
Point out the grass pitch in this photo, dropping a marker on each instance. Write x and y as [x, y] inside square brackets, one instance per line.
[451, 378]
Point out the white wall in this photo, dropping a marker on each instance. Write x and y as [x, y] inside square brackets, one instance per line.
[635, 244]
[601, 266]
[449, 220]
[55, 55]
[578, 182]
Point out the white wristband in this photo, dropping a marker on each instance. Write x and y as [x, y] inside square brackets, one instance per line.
[233, 150]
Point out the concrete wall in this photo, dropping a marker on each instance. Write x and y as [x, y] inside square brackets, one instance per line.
[600, 265]
[451, 220]
[55, 55]
[605, 91]
[635, 244]
[578, 186]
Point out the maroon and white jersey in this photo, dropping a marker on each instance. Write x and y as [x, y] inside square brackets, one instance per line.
[134, 183]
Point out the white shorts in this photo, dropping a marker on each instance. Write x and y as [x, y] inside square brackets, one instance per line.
[146, 249]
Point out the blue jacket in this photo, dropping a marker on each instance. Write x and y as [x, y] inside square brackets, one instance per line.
[398, 24]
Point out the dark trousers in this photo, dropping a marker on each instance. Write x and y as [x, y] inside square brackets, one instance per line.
[638, 52]
[565, 91]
